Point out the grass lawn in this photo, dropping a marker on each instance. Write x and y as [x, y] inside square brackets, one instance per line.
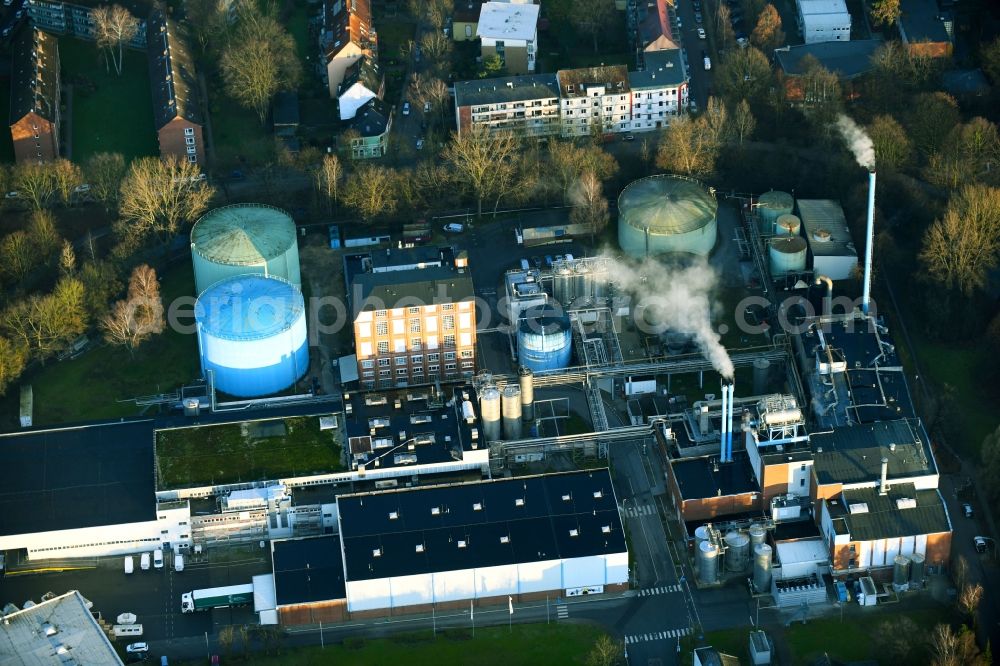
[237, 452]
[298, 27]
[110, 112]
[526, 645]
[90, 386]
[237, 131]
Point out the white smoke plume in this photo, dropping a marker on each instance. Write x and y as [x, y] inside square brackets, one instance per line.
[858, 141]
[681, 298]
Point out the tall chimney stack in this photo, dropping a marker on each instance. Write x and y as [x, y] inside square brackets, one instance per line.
[722, 427]
[729, 425]
[883, 487]
[869, 243]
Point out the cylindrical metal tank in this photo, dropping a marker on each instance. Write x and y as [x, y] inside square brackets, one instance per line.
[787, 225]
[512, 411]
[900, 571]
[489, 411]
[737, 551]
[707, 561]
[762, 567]
[244, 239]
[788, 254]
[772, 205]
[584, 281]
[563, 285]
[666, 214]
[917, 571]
[761, 375]
[192, 406]
[252, 335]
[701, 533]
[526, 380]
[544, 339]
[758, 534]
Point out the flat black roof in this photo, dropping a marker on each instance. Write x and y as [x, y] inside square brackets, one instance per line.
[490, 523]
[435, 431]
[70, 478]
[307, 570]
[853, 454]
[701, 478]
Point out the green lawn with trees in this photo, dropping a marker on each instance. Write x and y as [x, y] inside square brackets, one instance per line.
[246, 452]
[111, 113]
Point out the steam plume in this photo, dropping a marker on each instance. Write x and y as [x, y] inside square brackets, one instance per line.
[858, 141]
[682, 300]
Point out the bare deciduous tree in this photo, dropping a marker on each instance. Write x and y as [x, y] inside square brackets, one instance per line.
[743, 121]
[568, 161]
[892, 146]
[35, 182]
[226, 636]
[327, 180]
[43, 234]
[114, 27]
[690, 146]
[45, 324]
[969, 598]
[480, 159]
[67, 259]
[744, 74]
[158, 196]
[139, 315]
[104, 172]
[13, 358]
[371, 191]
[66, 177]
[949, 648]
[592, 17]
[960, 249]
[590, 205]
[18, 255]
[885, 12]
[606, 651]
[259, 60]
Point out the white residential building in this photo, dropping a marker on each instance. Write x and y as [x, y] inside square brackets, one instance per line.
[659, 92]
[594, 95]
[511, 32]
[824, 20]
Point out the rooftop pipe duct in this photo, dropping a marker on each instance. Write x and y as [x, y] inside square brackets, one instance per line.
[869, 242]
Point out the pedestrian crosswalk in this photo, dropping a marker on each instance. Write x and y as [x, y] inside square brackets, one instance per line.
[632, 639]
[642, 510]
[663, 589]
[562, 612]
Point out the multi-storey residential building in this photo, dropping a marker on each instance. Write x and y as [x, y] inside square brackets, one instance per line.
[177, 108]
[510, 31]
[372, 123]
[66, 18]
[656, 32]
[414, 327]
[34, 96]
[464, 20]
[594, 99]
[363, 81]
[525, 105]
[659, 92]
[347, 36]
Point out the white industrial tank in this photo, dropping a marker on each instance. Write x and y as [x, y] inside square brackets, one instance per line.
[244, 239]
[737, 551]
[511, 404]
[762, 567]
[772, 205]
[526, 380]
[787, 254]
[663, 214]
[787, 225]
[489, 411]
[707, 560]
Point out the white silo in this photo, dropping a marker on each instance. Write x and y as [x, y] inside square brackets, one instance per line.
[244, 239]
[701, 533]
[762, 567]
[787, 225]
[772, 205]
[511, 405]
[489, 411]
[737, 551]
[707, 561]
[526, 380]
[252, 335]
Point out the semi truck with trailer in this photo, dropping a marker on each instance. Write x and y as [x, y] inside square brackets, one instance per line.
[217, 597]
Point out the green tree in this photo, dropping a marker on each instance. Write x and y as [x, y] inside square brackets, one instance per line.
[990, 451]
[963, 246]
[968, 154]
[101, 283]
[885, 12]
[46, 324]
[492, 67]
[893, 149]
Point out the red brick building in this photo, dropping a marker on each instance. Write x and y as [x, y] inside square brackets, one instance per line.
[177, 107]
[34, 96]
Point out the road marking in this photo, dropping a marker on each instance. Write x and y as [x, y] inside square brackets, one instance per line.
[644, 510]
[562, 612]
[632, 639]
[663, 589]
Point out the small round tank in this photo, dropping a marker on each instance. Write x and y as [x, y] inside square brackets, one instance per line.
[787, 225]
[762, 567]
[757, 535]
[916, 571]
[900, 572]
[737, 551]
[787, 254]
[772, 205]
[701, 533]
[526, 380]
[707, 559]
[544, 339]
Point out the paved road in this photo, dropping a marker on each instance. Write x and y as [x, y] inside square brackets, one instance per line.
[700, 79]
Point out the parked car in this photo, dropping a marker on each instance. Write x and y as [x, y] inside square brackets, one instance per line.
[628, 137]
[133, 648]
[406, 108]
[81, 189]
[980, 543]
[158, 558]
[420, 144]
[13, 194]
[708, 63]
[144, 562]
[967, 510]
[454, 228]
[179, 559]
[129, 564]
[701, 33]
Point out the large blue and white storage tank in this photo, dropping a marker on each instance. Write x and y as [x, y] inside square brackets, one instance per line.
[252, 335]
[544, 339]
[666, 214]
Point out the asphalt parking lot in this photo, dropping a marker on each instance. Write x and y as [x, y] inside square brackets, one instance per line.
[154, 596]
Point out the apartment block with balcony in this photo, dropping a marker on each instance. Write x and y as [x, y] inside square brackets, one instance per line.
[528, 106]
[347, 35]
[414, 327]
[510, 31]
[594, 100]
[66, 18]
[659, 92]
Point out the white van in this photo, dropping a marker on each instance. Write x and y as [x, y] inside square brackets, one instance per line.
[129, 564]
[158, 558]
[144, 562]
[178, 563]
